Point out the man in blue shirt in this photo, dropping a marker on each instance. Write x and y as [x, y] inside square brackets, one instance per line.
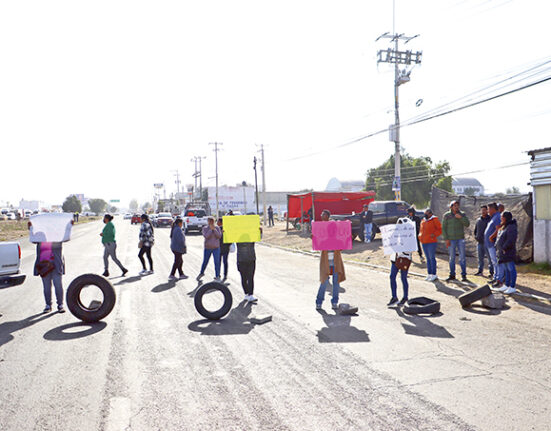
[490, 229]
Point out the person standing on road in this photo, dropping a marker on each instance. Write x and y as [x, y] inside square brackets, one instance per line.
[429, 232]
[453, 230]
[482, 249]
[109, 245]
[246, 265]
[507, 251]
[366, 222]
[147, 239]
[489, 241]
[413, 217]
[212, 235]
[270, 216]
[178, 247]
[331, 265]
[394, 268]
[224, 250]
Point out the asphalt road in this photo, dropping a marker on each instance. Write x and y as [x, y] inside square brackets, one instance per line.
[155, 364]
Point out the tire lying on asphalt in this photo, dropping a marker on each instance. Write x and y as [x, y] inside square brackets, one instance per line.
[95, 311]
[209, 287]
[474, 295]
[422, 305]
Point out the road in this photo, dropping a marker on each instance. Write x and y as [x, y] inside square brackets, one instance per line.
[154, 364]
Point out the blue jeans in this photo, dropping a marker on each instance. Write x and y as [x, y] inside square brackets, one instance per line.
[482, 253]
[403, 276]
[498, 274]
[368, 227]
[510, 273]
[430, 253]
[215, 252]
[458, 244]
[323, 287]
[55, 278]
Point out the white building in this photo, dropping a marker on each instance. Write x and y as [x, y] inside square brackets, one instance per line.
[30, 205]
[470, 186]
[334, 185]
[540, 179]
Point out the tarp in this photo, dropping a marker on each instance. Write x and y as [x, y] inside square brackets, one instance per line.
[336, 203]
[519, 205]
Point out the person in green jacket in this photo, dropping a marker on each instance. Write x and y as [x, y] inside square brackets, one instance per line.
[453, 232]
[109, 245]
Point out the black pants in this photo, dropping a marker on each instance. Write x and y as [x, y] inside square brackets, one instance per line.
[246, 269]
[178, 262]
[224, 259]
[419, 248]
[146, 250]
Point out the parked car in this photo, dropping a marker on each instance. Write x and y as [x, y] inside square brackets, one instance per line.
[135, 219]
[163, 220]
[10, 261]
[195, 219]
[11, 216]
[28, 213]
[384, 212]
[127, 216]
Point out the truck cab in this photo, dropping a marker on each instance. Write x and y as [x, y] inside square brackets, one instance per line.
[10, 261]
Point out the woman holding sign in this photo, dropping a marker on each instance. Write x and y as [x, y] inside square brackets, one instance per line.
[331, 264]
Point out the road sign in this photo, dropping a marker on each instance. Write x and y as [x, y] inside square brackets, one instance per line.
[113, 201]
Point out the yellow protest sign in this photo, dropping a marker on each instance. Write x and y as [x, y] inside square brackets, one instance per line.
[244, 228]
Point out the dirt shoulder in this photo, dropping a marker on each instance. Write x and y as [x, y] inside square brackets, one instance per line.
[372, 253]
[11, 230]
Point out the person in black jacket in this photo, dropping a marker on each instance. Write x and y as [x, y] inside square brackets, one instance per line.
[366, 222]
[479, 230]
[224, 251]
[506, 246]
[246, 265]
[417, 220]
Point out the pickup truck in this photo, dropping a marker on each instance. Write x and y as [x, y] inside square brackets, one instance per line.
[384, 212]
[195, 219]
[10, 260]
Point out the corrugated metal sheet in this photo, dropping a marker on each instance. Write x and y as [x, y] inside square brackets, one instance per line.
[540, 167]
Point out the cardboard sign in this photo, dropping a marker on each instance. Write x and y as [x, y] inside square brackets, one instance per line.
[399, 237]
[53, 227]
[245, 228]
[332, 235]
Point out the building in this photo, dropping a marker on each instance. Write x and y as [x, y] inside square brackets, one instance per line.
[467, 186]
[30, 205]
[540, 179]
[334, 185]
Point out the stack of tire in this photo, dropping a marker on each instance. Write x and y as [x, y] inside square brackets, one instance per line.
[474, 295]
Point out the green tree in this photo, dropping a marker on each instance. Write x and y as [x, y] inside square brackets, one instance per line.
[72, 205]
[445, 184]
[133, 205]
[113, 209]
[469, 191]
[146, 206]
[512, 191]
[419, 174]
[97, 205]
[160, 207]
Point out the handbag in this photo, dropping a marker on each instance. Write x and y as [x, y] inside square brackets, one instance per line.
[44, 267]
[402, 263]
[140, 244]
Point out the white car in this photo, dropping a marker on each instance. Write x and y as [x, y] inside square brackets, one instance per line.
[11, 216]
[10, 260]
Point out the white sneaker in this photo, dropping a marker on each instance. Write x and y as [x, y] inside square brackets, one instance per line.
[143, 272]
[503, 288]
[171, 278]
[150, 271]
[217, 279]
[509, 291]
[434, 277]
[251, 298]
[428, 278]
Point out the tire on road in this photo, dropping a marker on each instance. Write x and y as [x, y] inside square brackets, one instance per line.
[422, 305]
[474, 295]
[81, 311]
[218, 314]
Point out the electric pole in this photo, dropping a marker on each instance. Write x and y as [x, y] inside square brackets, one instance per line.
[397, 57]
[256, 185]
[263, 168]
[177, 175]
[195, 175]
[216, 149]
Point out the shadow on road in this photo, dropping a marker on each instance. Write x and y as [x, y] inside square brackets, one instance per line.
[544, 309]
[339, 330]
[237, 322]
[479, 309]
[8, 328]
[444, 288]
[421, 326]
[65, 332]
[165, 286]
[329, 289]
[129, 280]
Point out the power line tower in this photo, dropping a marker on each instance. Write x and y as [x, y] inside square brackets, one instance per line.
[397, 57]
[198, 174]
[216, 149]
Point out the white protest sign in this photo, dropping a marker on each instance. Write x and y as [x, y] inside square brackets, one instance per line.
[400, 237]
[52, 227]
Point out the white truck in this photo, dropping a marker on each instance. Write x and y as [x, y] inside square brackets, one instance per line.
[195, 219]
[10, 261]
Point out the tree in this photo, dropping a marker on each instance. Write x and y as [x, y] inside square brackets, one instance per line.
[445, 184]
[418, 176]
[97, 205]
[72, 205]
[470, 191]
[113, 209]
[160, 206]
[146, 206]
[513, 191]
[133, 205]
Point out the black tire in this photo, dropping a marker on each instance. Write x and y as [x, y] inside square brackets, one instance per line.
[79, 310]
[422, 305]
[474, 295]
[218, 314]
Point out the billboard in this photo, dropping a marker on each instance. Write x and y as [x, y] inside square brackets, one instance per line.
[233, 198]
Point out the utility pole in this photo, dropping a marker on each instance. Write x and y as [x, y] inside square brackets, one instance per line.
[195, 175]
[256, 184]
[263, 184]
[177, 175]
[198, 174]
[216, 149]
[397, 57]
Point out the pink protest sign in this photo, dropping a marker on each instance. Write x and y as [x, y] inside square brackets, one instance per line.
[332, 235]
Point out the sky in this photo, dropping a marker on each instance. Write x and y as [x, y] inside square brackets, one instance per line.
[107, 98]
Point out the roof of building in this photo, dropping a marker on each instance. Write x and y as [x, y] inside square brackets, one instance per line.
[541, 150]
[337, 185]
[466, 182]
